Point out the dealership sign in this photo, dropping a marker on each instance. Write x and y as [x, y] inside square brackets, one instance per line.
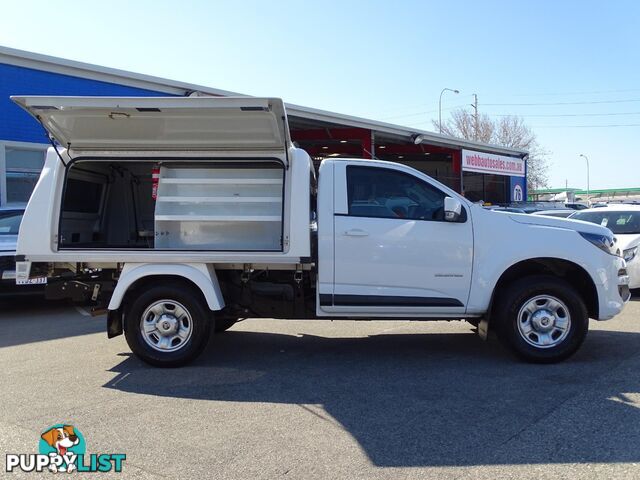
[491, 163]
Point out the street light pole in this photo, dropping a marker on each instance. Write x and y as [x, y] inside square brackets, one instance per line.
[475, 116]
[587, 159]
[440, 105]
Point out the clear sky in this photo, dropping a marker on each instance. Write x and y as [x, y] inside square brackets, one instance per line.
[571, 68]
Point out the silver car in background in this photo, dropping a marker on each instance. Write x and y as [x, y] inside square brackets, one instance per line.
[624, 221]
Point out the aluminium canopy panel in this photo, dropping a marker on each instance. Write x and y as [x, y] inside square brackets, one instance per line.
[153, 123]
[219, 208]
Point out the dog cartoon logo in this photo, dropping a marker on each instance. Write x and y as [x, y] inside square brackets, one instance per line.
[64, 441]
[61, 438]
[62, 448]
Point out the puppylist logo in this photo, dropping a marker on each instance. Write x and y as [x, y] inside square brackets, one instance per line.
[62, 448]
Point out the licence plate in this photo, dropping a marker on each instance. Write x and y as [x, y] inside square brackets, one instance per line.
[32, 281]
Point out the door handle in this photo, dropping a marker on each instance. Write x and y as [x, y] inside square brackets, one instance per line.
[356, 232]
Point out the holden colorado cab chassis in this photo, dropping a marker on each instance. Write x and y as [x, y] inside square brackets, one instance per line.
[183, 215]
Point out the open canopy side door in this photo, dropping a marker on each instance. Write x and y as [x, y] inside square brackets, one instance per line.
[159, 123]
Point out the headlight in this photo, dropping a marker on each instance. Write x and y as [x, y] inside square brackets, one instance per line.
[629, 254]
[603, 242]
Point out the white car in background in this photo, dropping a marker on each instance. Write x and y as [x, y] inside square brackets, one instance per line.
[10, 218]
[624, 222]
[557, 212]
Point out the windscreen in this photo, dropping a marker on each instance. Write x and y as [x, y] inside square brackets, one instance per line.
[620, 223]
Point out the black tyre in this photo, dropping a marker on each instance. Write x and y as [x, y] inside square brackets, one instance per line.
[167, 325]
[222, 324]
[541, 318]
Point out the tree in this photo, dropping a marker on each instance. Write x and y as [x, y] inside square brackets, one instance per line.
[510, 131]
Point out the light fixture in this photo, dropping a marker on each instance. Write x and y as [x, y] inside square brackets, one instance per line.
[400, 156]
[427, 153]
[343, 141]
[325, 148]
[382, 146]
[456, 91]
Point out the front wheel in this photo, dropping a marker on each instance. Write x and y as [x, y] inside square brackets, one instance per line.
[167, 325]
[542, 319]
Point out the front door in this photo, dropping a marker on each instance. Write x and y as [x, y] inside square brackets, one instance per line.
[394, 253]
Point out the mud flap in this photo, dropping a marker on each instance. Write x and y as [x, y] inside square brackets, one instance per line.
[114, 323]
[483, 328]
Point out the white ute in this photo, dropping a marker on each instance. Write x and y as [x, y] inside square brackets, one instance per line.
[182, 215]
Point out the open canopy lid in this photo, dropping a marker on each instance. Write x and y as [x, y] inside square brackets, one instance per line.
[160, 123]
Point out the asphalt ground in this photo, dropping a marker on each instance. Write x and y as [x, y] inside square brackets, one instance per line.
[325, 400]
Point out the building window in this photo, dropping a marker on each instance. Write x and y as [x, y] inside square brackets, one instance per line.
[22, 170]
[473, 185]
[486, 187]
[496, 188]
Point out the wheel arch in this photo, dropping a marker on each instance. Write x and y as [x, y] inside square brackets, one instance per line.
[573, 273]
[201, 276]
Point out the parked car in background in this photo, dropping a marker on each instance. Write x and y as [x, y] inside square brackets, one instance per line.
[505, 209]
[527, 207]
[531, 207]
[624, 221]
[555, 213]
[576, 206]
[10, 219]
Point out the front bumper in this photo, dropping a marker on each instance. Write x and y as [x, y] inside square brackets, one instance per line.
[613, 287]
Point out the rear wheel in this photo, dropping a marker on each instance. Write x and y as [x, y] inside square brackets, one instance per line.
[542, 319]
[167, 325]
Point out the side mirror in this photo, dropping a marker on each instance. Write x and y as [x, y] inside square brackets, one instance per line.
[452, 209]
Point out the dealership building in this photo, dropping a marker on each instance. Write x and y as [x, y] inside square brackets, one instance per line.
[482, 172]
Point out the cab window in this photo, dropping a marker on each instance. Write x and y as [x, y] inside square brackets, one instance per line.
[386, 193]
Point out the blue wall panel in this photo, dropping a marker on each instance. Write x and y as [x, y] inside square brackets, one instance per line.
[18, 125]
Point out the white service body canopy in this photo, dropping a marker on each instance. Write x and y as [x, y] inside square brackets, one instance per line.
[162, 123]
